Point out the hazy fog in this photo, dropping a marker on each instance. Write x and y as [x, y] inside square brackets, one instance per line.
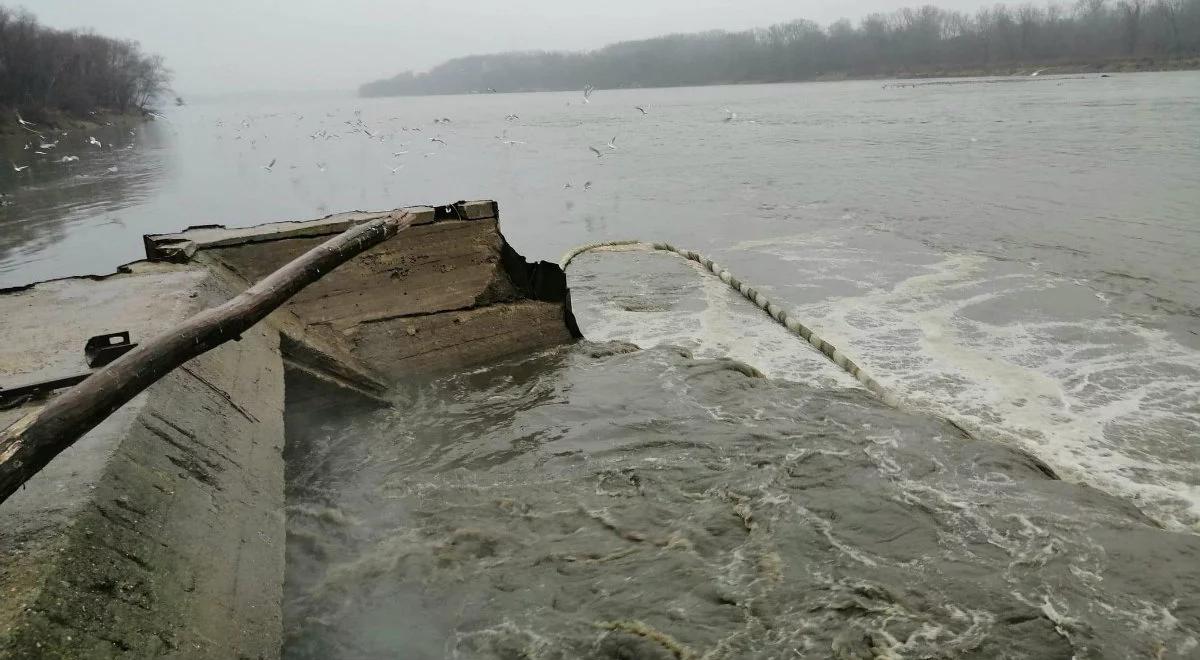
[246, 45]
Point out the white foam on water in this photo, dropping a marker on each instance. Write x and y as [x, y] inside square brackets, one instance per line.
[726, 327]
[1065, 390]
[1101, 398]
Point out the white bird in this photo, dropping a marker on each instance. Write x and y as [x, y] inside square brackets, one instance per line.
[638, 107]
[596, 151]
[731, 113]
[321, 166]
[1036, 73]
[49, 145]
[587, 93]
[567, 185]
[19, 168]
[438, 140]
[587, 185]
[397, 169]
[94, 141]
[398, 153]
[269, 165]
[612, 144]
[68, 159]
[112, 170]
[511, 117]
[40, 153]
[23, 123]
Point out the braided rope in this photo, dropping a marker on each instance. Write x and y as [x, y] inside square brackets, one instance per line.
[781, 315]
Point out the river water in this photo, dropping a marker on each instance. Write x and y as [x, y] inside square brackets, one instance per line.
[1023, 258]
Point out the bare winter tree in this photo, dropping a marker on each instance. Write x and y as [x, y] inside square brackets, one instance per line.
[43, 71]
[918, 40]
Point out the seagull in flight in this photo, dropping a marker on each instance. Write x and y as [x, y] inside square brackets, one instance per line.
[731, 113]
[23, 123]
[321, 166]
[587, 93]
[438, 140]
[641, 108]
[397, 154]
[397, 169]
[68, 159]
[48, 145]
[19, 168]
[1036, 73]
[269, 165]
[94, 141]
[596, 151]
[511, 117]
[612, 144]
[587, 185]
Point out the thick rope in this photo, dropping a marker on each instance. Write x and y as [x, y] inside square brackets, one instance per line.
[794, 325]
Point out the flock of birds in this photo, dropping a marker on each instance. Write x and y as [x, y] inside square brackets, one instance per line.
[43, 146]
[50, 143]
[402, 136]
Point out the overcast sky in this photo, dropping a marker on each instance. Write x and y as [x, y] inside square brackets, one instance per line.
[216, 46]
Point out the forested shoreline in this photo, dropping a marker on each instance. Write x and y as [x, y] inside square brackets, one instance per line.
[47, 75]
[924, 41]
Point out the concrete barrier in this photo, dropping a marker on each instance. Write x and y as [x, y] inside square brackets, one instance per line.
[161, 531]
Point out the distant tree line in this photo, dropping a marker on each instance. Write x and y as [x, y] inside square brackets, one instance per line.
[43, 70]
[924, 40]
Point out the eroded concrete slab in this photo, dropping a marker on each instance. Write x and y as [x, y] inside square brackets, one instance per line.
[445, 294]
[45, 326]
[159, 532]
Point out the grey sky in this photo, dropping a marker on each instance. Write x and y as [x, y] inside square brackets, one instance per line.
[245, 45]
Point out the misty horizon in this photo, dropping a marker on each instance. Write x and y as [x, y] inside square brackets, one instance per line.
[225, 48]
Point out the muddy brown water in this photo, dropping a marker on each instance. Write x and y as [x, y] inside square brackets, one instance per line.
[589, 502]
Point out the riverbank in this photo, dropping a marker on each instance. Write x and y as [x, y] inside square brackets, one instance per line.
[1125, 65]
[1060, 68]
[56, 120]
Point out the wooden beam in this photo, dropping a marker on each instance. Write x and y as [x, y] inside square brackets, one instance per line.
[34, 440]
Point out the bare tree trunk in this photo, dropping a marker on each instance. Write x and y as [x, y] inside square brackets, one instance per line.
[31, 442]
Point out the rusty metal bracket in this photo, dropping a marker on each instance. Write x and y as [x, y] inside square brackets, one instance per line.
[98, 351]
[102, 349]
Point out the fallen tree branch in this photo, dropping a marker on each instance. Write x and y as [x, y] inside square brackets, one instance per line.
[34, 440]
